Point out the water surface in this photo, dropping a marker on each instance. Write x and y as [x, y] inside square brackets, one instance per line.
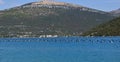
[62, 49]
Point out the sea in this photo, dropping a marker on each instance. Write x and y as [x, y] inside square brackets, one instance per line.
[60, 49]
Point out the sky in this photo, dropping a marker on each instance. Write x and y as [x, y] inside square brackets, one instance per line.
[104, 5]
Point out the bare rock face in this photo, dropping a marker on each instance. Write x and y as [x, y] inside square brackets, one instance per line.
[49, 3]
[52, 2]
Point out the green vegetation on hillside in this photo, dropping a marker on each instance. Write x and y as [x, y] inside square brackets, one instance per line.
[37, 21]
[111, 28]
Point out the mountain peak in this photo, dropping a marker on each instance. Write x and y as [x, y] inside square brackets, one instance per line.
[51, 3]
[49, 18]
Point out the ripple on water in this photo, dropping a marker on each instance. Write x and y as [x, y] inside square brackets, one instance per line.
[63, 49]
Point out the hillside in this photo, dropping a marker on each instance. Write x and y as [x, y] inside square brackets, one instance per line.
[58, 18]
[111, 28]
[115, 12]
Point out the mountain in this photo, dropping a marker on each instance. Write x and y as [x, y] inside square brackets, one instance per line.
[116, 12]
[49, 18]
[111, 28]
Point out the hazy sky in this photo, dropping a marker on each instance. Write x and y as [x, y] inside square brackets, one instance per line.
[105, 5]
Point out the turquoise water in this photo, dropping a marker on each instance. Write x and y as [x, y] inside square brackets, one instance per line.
[62, 49]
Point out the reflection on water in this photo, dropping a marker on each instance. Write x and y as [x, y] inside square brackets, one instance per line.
[62, 49]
